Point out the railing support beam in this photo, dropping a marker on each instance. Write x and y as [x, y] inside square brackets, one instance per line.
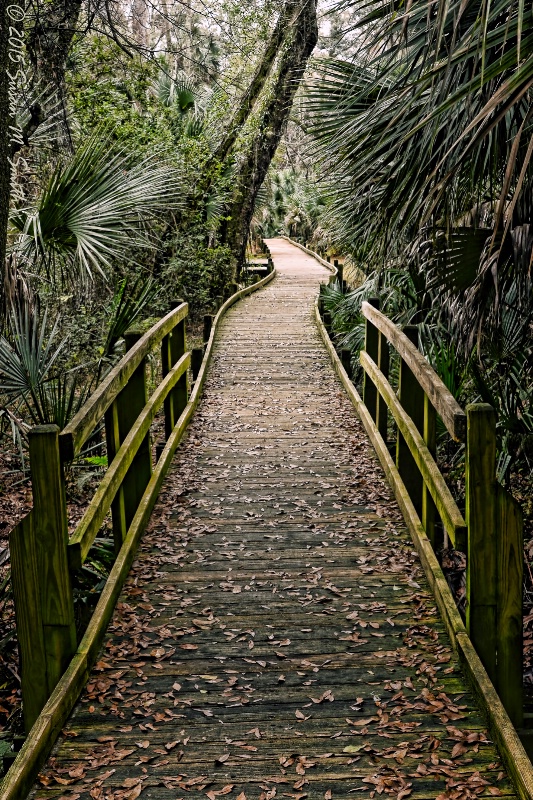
[370, 393]
[411, 396]
[482, 571]
[429, 510]
[383, 366]
[50, 531]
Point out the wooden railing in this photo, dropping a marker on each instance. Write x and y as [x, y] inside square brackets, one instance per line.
[43, 556]
[54, 667]
[490, 531]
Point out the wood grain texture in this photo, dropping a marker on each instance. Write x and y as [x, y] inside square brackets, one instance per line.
[445, 404]
[48, 725]
[502, 730]
[83, 537]
[370, 394]
[451, 516]
[383, 366]
[429, 509]
[281, 641]
[482, 573]
[510, 604]
[118, 509]
[411, 399]
[30, 639]
[75, 434]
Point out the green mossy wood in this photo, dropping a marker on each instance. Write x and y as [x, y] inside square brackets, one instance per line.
[30, 638]
[411, 397]
[370, 394]
[482, 572]
[452, 518]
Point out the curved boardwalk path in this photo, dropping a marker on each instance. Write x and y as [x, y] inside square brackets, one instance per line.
[276, 637]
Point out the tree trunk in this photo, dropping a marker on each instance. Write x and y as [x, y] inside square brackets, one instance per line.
[286, 20]
[297, 44]
[49, 41]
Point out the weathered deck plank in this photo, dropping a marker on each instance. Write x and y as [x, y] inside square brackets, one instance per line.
[276, 637]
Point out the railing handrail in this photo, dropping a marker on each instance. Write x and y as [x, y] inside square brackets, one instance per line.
[489, 642]
[445, 404]
[83, 537]
[75, 434]
[491, 535]
[452, 519]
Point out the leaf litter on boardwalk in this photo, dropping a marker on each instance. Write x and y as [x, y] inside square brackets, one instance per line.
[208, 588]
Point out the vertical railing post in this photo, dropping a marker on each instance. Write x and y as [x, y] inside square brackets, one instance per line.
[166, 366]
[482, 567]
[119, 419]
[370, 393]
[50, 530]
[134, 397]
[208, 324]
[411, 396]
[340, 275]
[509, 520]
[429, 511]
[197, 356]
[113, 439]
[383, 366]
[173, 347]
[30, 637]
[346, 360]
[178, 347]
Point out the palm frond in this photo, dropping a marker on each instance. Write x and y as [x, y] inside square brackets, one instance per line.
[93, 209]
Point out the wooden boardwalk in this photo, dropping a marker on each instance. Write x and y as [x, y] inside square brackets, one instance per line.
[276, 637]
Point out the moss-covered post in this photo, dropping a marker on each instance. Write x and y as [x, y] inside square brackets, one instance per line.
[510, 598]
[50, 531]
[197, 356]
[346, 360]
[429, 511]
[178, 348]
[208, 324]
[131, 402]
[173, 347]
[482, 567]
[370, 393]
[411, 396]
[383, 366]
[30, 637]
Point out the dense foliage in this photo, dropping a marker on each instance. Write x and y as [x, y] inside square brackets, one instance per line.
[416, 166]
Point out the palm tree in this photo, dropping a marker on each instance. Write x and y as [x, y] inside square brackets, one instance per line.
[427, 138]
[430, 128]
[94, 210]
